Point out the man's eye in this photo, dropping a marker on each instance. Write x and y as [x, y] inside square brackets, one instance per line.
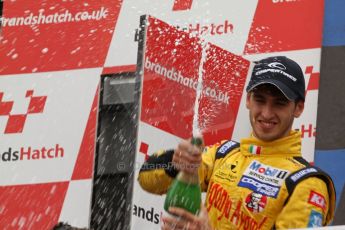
[259, 100]
[281, 103]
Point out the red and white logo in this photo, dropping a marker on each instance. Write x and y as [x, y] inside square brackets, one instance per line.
[256, 202]
[317, 200]
[16, 122]
[180, 5]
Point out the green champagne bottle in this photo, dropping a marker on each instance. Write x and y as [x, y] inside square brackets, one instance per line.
[185, 192]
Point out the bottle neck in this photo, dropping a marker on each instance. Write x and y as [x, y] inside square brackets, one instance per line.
[192, 178]
[188, 178]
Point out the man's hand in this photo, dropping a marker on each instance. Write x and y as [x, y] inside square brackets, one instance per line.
[186, 220]
[187, 157]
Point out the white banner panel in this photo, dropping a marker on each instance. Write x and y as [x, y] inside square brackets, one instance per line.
[225, 23]
[75, 209]
[46, 107]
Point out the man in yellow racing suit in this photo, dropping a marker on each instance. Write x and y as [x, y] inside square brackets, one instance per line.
[262, 182]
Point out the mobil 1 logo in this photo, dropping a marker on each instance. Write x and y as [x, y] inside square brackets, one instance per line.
[266, 173]
[263, 179]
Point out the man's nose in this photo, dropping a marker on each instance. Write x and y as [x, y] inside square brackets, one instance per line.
[267, 111]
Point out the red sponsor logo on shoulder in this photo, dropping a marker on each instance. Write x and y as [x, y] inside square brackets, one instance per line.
[317, 200]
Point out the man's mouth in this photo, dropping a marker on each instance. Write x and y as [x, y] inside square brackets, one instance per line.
[267, 124]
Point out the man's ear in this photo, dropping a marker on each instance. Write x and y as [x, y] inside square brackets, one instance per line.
[247, 100]
[299, 109]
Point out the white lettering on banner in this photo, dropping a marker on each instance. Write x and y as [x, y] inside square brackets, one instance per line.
[211, 29]
[176, 76]
[308, 131]
[29, 153]
[66, 16]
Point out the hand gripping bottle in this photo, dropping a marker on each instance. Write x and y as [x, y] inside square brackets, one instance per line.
[185, 192]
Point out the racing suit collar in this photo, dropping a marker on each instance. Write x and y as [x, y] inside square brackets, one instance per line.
[286, 146]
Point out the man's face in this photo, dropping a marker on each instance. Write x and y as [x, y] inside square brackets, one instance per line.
[271, 114]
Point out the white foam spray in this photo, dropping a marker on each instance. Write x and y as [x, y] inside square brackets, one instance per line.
[196, 129]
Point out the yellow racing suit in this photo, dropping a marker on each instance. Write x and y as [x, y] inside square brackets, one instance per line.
[253, 184]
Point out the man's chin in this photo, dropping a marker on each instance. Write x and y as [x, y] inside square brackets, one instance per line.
[266, 137]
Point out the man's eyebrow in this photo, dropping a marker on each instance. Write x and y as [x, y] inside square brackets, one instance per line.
[277, 97]
[258, 94]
